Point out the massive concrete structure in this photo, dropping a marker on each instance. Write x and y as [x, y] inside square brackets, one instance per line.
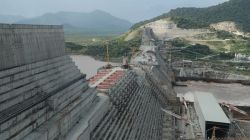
[137, 98]
[42, 93]
[43, 96]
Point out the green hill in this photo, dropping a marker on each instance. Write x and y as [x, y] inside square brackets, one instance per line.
[96, 22]
[237, 11]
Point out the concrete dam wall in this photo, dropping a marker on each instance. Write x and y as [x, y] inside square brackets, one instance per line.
[136, 112]
[25, 44]
[43, 95]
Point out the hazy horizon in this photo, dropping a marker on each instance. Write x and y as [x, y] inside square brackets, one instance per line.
[130, 10]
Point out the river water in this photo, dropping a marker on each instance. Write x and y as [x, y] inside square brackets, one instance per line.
[88, 65]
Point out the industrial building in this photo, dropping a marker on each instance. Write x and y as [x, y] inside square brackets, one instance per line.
[211, 116]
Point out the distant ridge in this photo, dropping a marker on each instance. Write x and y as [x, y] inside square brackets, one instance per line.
[96, 22]
[93, 22]
[237, 11]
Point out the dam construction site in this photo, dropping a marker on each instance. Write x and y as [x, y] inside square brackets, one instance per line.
[44, 96]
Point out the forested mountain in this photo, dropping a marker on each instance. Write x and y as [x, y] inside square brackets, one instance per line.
[234, 10]
[98, 22]
[93, 22]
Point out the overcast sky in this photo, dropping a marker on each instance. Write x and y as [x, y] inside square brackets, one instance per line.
[132, 10]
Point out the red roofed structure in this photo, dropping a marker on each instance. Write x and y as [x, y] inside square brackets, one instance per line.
[106, 78]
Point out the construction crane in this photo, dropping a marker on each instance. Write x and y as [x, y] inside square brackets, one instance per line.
[108, 66]
[177, 116]
[107, 53]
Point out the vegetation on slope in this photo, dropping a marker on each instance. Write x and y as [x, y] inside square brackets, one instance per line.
[117, 47]
[196, 51]
[203, 54]
[216, 47]
[233, 10]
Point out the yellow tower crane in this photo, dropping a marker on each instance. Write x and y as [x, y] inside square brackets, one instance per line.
[107, 53]
[108, 66]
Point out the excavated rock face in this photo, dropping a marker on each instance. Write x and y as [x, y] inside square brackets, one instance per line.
[226, 26]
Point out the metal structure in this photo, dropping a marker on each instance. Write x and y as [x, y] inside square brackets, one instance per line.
[210, 114]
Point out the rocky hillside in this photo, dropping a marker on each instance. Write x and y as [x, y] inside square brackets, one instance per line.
[234, 10]
[228, 26]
